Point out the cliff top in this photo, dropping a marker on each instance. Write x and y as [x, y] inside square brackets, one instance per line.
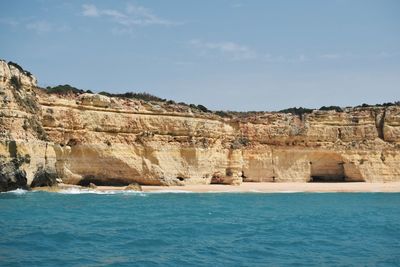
[15, 75]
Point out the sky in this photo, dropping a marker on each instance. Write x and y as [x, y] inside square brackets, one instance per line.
[225, 54]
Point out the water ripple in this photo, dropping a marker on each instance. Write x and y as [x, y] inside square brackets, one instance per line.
[169, 229]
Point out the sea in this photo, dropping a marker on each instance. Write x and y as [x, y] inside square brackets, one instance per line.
[90, 228]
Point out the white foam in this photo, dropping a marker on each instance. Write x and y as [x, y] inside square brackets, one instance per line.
[18, 191]
[287, 191]
[77, 191]
[170, 191]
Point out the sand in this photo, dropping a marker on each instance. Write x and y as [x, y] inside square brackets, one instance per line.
[283, 187]
[252, 187]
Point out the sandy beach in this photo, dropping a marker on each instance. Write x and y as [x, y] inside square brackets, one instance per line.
[283, 187]
[250, 187]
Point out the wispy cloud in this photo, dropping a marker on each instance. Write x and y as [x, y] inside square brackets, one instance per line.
[33, 24]
[301, 58]
[237, 5]
[385, 54]
[39, 26]
[131, 16]
[274, 59]
[90, 11]
[230, 49]
[236, 52]
[330, 56]
[9, 22]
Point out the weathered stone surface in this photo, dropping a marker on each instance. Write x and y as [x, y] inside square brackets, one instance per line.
[114, 141]
[95, 100]
[134, 187]
[11, 177]
[23, 145]
[44, 177]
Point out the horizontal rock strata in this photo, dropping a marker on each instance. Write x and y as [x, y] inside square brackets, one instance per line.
[91, 138]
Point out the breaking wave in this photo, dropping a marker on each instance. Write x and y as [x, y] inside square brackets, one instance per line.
[77, 191]
[18, 191]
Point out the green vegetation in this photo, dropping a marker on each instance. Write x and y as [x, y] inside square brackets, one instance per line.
[238, 114]
[223, 114]
[203, 108]
[68, 89]
[297, 111]
[26, 101]
[37, 127]
[335, 108]
[240, 142]
[387, 104]
[142, 96]
[19, 68]
[300, 111]
[65, 90]
[149, 97]
[16, 83]
[16, 66]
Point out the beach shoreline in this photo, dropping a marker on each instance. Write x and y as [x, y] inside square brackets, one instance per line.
[283, 187]
[390, 187]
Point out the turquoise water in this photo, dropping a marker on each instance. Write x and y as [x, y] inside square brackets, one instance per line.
[211, 229]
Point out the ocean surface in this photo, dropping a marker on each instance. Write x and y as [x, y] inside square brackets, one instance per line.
[78, 228]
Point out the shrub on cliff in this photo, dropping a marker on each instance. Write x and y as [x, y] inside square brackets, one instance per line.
[142, 96]
[203, 108]
[37, 127]
[64, 90]
[386, 104]
[15, 65]
[240, 142]
[223, 114]
[149, 97]
[15, 82]
[24, 100]
[335, 108]
[297, 111]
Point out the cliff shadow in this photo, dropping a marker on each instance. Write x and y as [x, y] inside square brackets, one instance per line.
[90, 179]
[327, 167]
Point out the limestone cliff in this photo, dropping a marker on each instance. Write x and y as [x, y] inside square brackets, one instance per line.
[91, 138]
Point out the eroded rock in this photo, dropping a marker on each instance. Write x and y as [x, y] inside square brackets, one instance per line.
[11, 177]
[134, 187]
[89, 138]
[44, 177]
[92, 185]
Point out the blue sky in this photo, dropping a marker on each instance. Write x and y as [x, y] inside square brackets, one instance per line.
[226, 55]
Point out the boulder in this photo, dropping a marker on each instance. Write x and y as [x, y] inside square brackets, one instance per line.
[134, 187]
[92, 185]
[229, 178]
[11, 177]
[95, 100]
[44, 177]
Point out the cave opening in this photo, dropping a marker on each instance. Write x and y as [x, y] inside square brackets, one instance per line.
[90, 179]
[327, 169]
[327, 179]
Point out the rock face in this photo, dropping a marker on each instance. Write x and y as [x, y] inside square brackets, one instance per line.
[91, 138]
[11, 177]
[134, 187]
[44, 177]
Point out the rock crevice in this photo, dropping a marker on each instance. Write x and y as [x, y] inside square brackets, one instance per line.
[87, 138]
